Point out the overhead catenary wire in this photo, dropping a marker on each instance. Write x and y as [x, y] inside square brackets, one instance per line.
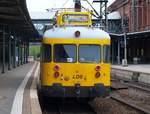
[93, 8]
[54, 9]
[97, 15]
[91, 12]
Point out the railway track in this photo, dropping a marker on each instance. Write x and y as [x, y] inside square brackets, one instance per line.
[122, 84]
[65, 107]
[132, 94]
[137, 85]
[140, 86]
[130, 104]
[125, 97]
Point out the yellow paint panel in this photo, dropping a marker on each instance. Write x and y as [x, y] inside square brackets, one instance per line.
[84, 74]
[75, 41]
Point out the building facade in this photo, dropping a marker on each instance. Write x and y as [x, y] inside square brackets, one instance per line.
[135, 14]
[135, 24]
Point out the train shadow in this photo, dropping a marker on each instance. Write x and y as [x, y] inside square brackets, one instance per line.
[65, 105]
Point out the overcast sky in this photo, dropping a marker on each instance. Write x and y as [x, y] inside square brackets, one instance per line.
[42, 5]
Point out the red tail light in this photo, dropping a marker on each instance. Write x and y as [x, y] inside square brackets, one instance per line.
[56, 74]
[97, 68]
[56, 67]
[97, 75]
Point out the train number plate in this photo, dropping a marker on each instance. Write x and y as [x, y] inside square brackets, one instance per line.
[78, 76]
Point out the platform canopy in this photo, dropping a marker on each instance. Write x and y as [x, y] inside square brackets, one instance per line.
[140, 34]
[14, 13]
[114, 15]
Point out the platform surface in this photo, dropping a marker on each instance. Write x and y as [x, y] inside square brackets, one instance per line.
[9, 83]
[144, 68]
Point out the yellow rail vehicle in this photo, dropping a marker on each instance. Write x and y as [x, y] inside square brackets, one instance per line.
[75, 58]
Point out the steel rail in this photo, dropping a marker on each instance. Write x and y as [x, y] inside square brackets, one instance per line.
[133, 85]
[143, 110]
[137, 86]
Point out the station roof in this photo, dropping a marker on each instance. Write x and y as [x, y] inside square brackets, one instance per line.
[116, 4]
[140, 34]
[42, 15]
[14, 13]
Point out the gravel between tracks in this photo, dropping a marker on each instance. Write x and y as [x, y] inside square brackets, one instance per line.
[110, 106]
[137, 97]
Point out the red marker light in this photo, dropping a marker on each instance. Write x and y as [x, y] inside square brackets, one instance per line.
[56, 74]
[56, 67]
[97, 75]
[77, 34]
[97, 68]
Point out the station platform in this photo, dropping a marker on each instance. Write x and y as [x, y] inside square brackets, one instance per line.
[15, 90]
[140, 73]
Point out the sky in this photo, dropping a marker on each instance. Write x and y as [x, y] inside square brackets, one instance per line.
[42, 5]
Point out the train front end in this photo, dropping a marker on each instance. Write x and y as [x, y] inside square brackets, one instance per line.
[75, 61]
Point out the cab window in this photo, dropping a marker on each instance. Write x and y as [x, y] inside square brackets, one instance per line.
[65, 53]
[89, 53]
[106, 53]
[46, 53]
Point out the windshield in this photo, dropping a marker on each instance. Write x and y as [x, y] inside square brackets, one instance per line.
[106, 54]
[65, 53]
[89, 53]
[75, 18]
[46, 53]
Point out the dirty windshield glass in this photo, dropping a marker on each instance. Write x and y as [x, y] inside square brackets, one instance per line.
[64, 53]
[89, 53]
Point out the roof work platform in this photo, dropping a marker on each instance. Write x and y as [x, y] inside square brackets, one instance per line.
[16, 31]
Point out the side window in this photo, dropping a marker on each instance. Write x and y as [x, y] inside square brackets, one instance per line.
[106, 53]
[46, 49]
